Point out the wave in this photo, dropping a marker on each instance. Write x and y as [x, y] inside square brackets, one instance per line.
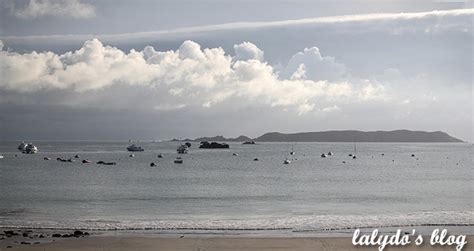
[289, 223]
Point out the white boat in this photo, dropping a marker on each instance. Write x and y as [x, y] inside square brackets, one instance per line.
[135, 148]
[182, 149]
[1, 156]
[286, 161]
[178, 160]
[30, 149]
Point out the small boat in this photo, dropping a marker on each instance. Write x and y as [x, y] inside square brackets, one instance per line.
[85, 161]
[135, 148]
[235, 154]
[1, 156]
[100, 162]
[292, 153]
[46, 158]
[182, 149]
[329, 153]
[256, 159]
[323, 155]
[30, 149]
[350, 155]
[249, 143]
[413, 155]
[131, 155]
[22, 146]
[286, 161]
[354, 157]
[152, 164]
[178, 160]
[160, 156]
[76, 156]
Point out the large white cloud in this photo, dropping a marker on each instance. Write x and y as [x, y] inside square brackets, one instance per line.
[310, 64]
[246, 51]
[59, 8]
[189, 76]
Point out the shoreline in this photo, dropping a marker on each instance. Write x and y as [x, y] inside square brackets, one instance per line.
[48, 239]
[184, 243]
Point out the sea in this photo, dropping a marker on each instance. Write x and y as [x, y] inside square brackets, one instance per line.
[225, 191]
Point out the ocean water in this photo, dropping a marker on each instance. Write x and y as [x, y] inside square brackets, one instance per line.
[215, 191]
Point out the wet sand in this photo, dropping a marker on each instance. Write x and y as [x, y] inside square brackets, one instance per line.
[175, 243]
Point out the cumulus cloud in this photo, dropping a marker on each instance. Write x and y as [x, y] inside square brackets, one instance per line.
[310, 64]
[189, 76]
[56, 8]
[246, 51]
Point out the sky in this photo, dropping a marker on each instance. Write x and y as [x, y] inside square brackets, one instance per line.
[150, 70]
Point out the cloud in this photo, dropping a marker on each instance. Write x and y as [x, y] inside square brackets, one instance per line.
[188, 77]
[455, 20]
[310, 64]
[56, 8]
[246, 51]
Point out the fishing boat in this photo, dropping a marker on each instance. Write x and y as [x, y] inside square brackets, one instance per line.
[30, 149]
[135, 148]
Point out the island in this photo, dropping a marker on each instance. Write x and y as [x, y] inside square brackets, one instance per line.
[344, 136]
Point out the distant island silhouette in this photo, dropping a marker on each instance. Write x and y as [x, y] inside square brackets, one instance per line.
[343, 136]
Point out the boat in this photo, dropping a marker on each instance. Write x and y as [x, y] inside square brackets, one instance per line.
[135, 148]
[178, 160]
[182, 149]
[256, 159]
[355, 151]
[323, 155]
[30, 149]
[249, 143]
[330, 153]
[1, 156]
[101, 162]
[160, 156]
[152, 164]
[286, 161]
[235, 154]
[22, 146]
[85, 161]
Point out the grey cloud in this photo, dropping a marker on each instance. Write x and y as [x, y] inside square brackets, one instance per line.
[57, 8]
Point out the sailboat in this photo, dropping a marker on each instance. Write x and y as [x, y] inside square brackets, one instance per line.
[355, 151]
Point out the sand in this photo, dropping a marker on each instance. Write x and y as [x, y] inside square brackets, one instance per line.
[157, 242]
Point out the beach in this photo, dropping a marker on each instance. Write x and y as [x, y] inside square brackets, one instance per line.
[176, 243]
